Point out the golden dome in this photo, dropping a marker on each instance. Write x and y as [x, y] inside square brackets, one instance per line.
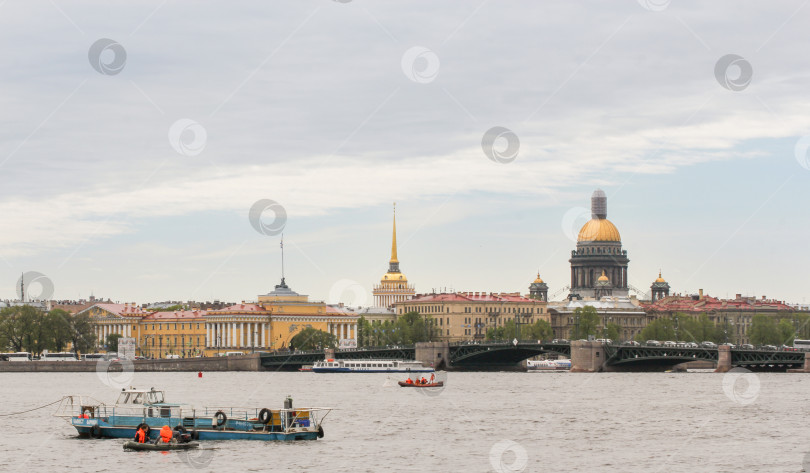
[603, 277]
[599, 229]
[660, 279]
[398, 277]
[538, 280]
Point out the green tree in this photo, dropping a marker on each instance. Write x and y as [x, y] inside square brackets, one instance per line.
[786, 332]
[82, 333]
[658, 329]
[58, 325]
[412, 328]
[312, 339]
[364, 332]
[586, 322]
[613, 331]
[540, 330]
[112, 341]
[763, 330]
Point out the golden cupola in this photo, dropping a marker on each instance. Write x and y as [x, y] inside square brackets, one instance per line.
[599, 228]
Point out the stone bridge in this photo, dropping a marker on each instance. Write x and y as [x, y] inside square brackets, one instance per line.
[585, 356]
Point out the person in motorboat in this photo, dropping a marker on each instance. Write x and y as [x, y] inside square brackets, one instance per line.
[424, 381]
[432, 378]
[140, 435]
[165, 435]
[409, 381]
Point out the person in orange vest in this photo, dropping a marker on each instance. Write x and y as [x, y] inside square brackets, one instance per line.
[432, 377]
[424, 381]
[140, 435]
[409, 381]
[165, 434]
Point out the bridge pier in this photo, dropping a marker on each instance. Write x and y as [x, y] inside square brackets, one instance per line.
[436, 354]
[587, 357]
[724, 359]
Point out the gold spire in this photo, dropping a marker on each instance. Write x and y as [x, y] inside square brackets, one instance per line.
[394, 240]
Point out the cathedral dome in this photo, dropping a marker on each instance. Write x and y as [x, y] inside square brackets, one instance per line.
[603, 278]
[599, 229]
[660, 279]
[538, 280]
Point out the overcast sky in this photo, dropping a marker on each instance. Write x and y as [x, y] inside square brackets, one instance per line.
[136, 138]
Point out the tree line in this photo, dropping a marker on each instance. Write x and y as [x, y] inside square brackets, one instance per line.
[27, 328]
[763, 330]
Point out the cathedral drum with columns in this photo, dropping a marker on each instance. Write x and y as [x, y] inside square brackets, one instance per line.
[599, 264]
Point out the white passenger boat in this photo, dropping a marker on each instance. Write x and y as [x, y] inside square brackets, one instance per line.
[370, 366]
[548, 365]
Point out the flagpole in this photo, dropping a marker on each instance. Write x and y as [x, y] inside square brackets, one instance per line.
[282, 258]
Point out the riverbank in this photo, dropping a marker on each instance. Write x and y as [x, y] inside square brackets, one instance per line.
[213, 363]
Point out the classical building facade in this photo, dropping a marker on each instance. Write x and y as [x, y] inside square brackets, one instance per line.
[460, 316]
[269, 324]
[627, 313]
[394, 285]
[599, 255]
[737, 314]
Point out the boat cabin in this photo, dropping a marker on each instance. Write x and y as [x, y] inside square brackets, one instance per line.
[134, 396]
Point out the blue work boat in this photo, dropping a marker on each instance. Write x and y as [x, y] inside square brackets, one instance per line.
[137, 407]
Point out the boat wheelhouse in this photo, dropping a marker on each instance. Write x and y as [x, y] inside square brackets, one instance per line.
[370, 366]
[137, 407]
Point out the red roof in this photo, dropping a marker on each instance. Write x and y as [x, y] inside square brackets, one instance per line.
[124, 310]
[239, 308]
[177, 314]
[471, 297]
[713, 304]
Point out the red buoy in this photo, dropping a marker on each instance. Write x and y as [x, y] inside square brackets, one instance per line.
[199, 375]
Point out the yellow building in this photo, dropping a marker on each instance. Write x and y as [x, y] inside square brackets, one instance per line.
[394, 285]
[180, 333]
[123, 319]
[463, 316]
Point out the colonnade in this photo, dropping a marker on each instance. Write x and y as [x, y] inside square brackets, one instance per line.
[343, 331]
[236, 334]
[102, 330]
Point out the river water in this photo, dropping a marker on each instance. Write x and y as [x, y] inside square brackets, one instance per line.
[496, 422]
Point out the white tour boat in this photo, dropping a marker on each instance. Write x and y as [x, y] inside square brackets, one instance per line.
[548, 365]
[370, 366]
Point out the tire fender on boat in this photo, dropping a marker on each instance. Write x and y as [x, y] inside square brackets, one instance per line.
[195, 435]
[95, 431]
[221, 418]
[265, 416]
[180, 428]
[320, 431]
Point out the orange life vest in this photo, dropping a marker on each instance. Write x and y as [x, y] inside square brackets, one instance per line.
[165, 434]
[141, 436]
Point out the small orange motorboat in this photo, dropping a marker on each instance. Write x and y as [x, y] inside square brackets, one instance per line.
[427, 385]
